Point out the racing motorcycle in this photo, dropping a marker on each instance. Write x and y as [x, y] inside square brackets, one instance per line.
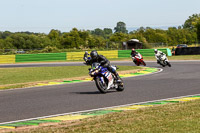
[138, 60]
[104, 79]
[163, 61]
[87, 60]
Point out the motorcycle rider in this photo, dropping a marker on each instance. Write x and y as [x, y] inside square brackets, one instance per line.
[95, 57]
[133, 54]
[158, 54]
[85, 57]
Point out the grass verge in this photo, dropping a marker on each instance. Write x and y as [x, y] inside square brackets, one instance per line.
[181, 117]
[22, 77]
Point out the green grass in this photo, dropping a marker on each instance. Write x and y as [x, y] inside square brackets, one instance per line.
[171, 118]
[33, 74]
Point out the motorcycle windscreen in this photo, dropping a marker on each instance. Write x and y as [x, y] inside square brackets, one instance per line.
[95, 65]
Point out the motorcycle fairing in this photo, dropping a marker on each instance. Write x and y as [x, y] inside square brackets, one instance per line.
[110, 78]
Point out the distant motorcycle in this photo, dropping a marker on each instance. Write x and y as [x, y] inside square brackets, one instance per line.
[87, 60]
[163, 61]
[104, 79]
[138, 60]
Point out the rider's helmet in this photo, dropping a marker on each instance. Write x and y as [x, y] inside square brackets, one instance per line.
[94, 54]
[155, 50]
[86, 52]
[133, 50]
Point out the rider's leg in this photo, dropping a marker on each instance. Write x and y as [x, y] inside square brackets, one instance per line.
[114, 72]
[158, 62]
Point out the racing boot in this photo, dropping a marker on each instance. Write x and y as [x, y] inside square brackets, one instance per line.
[117, 77]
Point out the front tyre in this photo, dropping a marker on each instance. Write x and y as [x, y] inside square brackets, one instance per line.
[102, 87]
[169, 64]
[143, 63]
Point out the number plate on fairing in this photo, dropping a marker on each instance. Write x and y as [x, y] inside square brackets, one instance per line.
[108, 75]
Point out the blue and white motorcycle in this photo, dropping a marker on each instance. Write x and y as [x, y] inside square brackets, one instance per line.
[104, 79]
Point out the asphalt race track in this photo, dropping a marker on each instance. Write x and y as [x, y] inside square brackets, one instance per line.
[183, 78]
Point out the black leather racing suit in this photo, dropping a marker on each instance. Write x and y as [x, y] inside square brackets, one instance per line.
[133, 54]
[105, 63]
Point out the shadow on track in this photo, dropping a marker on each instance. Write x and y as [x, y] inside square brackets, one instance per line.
[93, 92]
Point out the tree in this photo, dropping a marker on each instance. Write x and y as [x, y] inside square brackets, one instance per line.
[54, 34]
[98, 32]
[5, 34]
[121, 27]
[107, 31]
[198, 31]
[117, 37]
[190, 22]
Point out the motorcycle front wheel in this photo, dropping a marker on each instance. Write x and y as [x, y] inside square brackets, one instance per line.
[143, 63]
[169, 64]
[102, 87]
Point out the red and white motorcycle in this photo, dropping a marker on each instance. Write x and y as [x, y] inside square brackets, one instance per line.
[138, 60]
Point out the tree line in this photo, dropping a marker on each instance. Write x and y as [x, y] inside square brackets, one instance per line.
[188, 33]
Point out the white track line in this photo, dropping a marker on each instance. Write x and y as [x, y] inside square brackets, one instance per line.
[78, 112]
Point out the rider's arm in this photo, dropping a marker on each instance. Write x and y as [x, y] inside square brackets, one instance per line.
[88, 62]
[161, 53]
[85, 57]
[103, 59]
[156, 55]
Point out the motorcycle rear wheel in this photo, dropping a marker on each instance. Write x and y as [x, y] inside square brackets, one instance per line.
[100, 86]
[120, 86]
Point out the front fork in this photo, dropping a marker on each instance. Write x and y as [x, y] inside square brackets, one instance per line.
[101, 79]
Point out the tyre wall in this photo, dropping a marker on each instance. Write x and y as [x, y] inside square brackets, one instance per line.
[40, 57]
[72, 56]
[79, 55]
[7, 59]
[187, 51]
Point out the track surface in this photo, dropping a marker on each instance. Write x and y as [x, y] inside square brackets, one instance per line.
[179, 80]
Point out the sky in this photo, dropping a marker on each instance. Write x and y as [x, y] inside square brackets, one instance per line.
[43, 15]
